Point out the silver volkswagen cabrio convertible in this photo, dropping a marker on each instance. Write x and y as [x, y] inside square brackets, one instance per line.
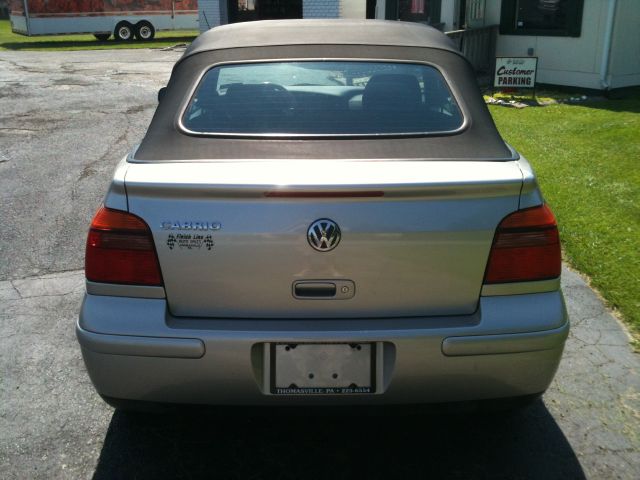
[322, 212]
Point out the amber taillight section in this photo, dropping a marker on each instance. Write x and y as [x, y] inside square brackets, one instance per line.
[120, 249]
[526, 248]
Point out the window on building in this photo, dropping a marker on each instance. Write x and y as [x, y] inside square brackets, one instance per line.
[421, 11]
[249, 10]
[371, 9]
[541, 17]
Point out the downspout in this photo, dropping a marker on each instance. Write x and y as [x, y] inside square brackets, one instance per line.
[26, 17]
[606, 49]
[204, 15]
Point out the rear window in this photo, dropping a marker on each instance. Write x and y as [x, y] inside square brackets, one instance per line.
[324, 98]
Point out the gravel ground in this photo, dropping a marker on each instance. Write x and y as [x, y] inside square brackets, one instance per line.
[66, 119]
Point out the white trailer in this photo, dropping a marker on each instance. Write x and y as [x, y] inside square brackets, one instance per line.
[125, 19]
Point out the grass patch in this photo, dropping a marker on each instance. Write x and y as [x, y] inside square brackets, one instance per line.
[586, 158]
[13, 41]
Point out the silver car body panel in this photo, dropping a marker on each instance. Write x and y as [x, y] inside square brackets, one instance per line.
[421, 249]
[135, 349]
[449, 338]
[116, 197]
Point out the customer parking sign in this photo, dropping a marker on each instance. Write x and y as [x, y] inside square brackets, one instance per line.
[515, 72]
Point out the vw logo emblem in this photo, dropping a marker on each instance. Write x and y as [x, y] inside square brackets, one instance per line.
[323, 235]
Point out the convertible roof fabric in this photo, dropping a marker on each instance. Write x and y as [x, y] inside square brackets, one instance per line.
[320, 31]
[283, 40]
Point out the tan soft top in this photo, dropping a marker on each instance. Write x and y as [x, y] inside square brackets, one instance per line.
[320, 32]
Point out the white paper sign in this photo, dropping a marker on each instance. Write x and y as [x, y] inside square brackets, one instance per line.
[518, 72]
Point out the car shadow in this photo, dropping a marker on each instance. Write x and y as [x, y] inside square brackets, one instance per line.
[251, 444]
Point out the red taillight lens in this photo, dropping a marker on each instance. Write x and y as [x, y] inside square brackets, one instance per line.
[120, 249]
[526, 247]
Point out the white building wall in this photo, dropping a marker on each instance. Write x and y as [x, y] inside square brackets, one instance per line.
[320, 8]
[353, 9]
[209, 14]
[624, 62]
[571, 61]
[448, 14]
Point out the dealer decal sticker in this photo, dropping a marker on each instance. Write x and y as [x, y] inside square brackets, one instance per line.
[190, 241]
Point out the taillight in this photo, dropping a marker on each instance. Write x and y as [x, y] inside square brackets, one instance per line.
[120, 249]
[526, 247]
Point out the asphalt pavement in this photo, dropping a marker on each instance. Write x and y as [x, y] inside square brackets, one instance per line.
[66, 118]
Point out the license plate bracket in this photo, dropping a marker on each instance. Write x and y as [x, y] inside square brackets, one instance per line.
[323, 368]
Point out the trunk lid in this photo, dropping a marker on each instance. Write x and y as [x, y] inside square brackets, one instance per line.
[232, 238]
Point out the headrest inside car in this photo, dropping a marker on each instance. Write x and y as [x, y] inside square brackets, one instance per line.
[392, 93]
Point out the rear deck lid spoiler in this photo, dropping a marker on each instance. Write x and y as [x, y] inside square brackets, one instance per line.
[358, 179]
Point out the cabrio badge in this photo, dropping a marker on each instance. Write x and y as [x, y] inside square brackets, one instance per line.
[188, 225]
[323, 235]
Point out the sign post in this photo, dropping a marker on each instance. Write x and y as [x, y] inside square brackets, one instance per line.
[516, 72]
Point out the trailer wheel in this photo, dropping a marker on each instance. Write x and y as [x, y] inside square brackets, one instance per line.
[145, 31]
[102, 37]
[123, 31]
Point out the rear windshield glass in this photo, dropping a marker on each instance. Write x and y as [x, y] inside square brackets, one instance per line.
[322, 98]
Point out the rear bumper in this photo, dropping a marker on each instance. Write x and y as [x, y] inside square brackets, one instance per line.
[135, 350]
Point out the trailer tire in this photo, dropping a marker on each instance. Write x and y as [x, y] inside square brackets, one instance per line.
[145, 31]
[102, 37]
[124, 32]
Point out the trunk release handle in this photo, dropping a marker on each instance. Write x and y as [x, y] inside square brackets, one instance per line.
[323, 289]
